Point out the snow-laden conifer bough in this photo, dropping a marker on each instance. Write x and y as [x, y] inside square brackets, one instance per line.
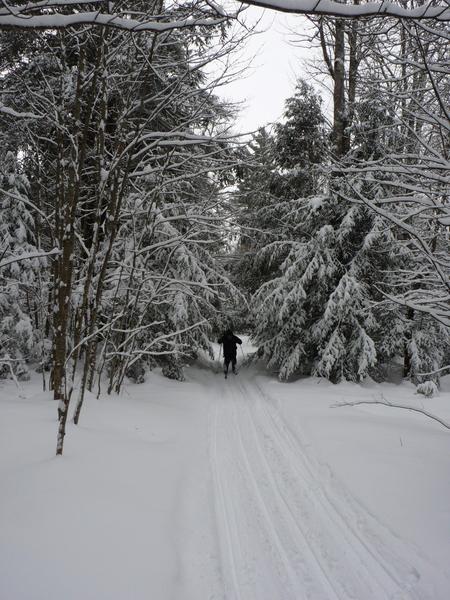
[46, 14]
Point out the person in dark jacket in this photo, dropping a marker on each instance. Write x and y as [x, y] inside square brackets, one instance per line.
[230, 342]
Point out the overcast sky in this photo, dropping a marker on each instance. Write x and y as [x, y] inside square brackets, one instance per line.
[274, 71]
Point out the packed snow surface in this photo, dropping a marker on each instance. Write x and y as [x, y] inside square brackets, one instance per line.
[237, 489]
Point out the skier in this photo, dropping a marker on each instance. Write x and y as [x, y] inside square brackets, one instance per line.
[229, 341]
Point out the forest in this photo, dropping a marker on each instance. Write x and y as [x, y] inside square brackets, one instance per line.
[151, 238]
[135, 224]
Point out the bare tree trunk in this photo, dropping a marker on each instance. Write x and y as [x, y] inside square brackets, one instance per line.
[63, 285]
[406, 350]
[352, 78]
[339, 104]
[116, 203]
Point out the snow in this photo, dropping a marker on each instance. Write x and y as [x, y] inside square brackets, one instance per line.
[245, 488]
[316, 202]
[106, 521]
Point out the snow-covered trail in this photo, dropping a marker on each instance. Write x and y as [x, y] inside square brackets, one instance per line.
[213, 489]
[287, 528]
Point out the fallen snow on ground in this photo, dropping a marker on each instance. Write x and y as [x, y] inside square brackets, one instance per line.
[238, 489]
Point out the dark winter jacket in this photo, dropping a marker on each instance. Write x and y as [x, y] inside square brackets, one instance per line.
[229, 341]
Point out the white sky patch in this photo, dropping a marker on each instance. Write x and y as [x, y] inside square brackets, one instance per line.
[277, 65]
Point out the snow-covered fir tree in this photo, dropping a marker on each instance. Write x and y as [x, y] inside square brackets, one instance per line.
[278, 167]
[18, 278]
[316, 314]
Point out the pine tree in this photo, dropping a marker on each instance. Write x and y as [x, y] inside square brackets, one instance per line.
[279, 170]
[316, 315]
[18, 277]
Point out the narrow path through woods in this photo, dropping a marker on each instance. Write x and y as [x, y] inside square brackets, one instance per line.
[288, 529]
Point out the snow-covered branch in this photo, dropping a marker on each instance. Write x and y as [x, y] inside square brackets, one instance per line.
[61, 21]
[45, 15]
[6, 110]
[428, 307]
[331, 8]
[436, 372]
[28, 256]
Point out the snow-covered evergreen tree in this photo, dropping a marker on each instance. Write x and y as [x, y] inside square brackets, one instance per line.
[317, 314]
[259, 192]
[18, 277]
[301, 141]
[278, 168]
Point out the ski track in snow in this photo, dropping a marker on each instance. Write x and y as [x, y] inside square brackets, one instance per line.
[288, 530]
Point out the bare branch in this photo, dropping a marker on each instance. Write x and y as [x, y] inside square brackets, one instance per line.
[403, 406]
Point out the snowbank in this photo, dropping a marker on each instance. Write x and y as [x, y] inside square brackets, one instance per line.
[128, 511]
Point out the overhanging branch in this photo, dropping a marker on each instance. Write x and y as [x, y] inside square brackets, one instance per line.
[331, 8]
[62, 21]
[46, 15]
